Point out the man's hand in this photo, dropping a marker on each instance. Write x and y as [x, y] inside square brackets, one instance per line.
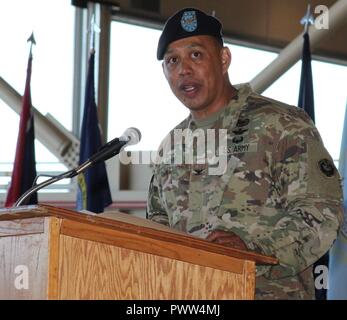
[227, 239]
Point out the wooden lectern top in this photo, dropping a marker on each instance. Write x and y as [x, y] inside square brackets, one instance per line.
[89, 224]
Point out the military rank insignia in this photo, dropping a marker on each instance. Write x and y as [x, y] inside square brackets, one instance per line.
[326, 167]
[189, 21]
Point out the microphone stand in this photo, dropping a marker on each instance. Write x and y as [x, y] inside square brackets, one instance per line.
[69, 174]
[107, 151]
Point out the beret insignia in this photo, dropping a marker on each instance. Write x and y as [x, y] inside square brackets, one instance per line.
[189, 21]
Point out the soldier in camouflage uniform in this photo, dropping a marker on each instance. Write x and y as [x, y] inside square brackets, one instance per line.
[278, 193]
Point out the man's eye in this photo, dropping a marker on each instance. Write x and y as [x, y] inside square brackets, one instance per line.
[172, 60]
[196, 54]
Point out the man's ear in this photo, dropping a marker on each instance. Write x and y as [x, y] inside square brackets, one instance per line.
[226, 59]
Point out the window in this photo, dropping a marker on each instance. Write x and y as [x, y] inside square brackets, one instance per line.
[330, 98]
[139, 94]
[52, 71]
[141, 97]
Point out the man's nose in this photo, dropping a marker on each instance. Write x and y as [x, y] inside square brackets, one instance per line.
[185, 67]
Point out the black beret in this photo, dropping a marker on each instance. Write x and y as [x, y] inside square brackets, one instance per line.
[186, 23]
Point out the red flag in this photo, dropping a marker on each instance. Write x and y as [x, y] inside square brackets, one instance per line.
[24, 168]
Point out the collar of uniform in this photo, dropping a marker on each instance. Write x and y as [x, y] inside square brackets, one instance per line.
[210, 121]
[244, 91]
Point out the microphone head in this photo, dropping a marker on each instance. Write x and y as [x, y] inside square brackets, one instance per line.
[131, 135]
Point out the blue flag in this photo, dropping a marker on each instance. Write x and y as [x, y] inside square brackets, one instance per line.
[306, 99]
[306, 102]
[338, 253]
[93, 192]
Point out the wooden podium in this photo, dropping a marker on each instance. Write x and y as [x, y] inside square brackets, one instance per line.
[53, 253]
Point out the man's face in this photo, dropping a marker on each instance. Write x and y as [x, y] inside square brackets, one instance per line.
[195, 68]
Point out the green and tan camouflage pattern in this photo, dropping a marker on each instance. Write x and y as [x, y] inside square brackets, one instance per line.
[274, 194]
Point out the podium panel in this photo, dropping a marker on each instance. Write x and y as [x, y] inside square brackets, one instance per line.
[52, 253]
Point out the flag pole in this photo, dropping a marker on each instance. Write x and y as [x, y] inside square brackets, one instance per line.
[308, 19]
[33, 42]
[92, 29]
[306, 102]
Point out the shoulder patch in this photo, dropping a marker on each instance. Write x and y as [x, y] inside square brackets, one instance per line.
[327, 167]
[323, 178]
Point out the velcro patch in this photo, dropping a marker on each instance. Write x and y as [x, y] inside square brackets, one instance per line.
[243, 148]
[327, 167]
[323, 178]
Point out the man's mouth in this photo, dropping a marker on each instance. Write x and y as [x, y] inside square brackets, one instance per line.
[190, 89]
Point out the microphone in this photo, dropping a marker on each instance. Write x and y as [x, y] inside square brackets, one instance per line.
[131, 136]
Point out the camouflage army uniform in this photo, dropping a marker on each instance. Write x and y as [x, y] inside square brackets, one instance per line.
[280, 193]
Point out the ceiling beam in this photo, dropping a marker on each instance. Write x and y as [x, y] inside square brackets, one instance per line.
[292, 52]
[48, 131]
